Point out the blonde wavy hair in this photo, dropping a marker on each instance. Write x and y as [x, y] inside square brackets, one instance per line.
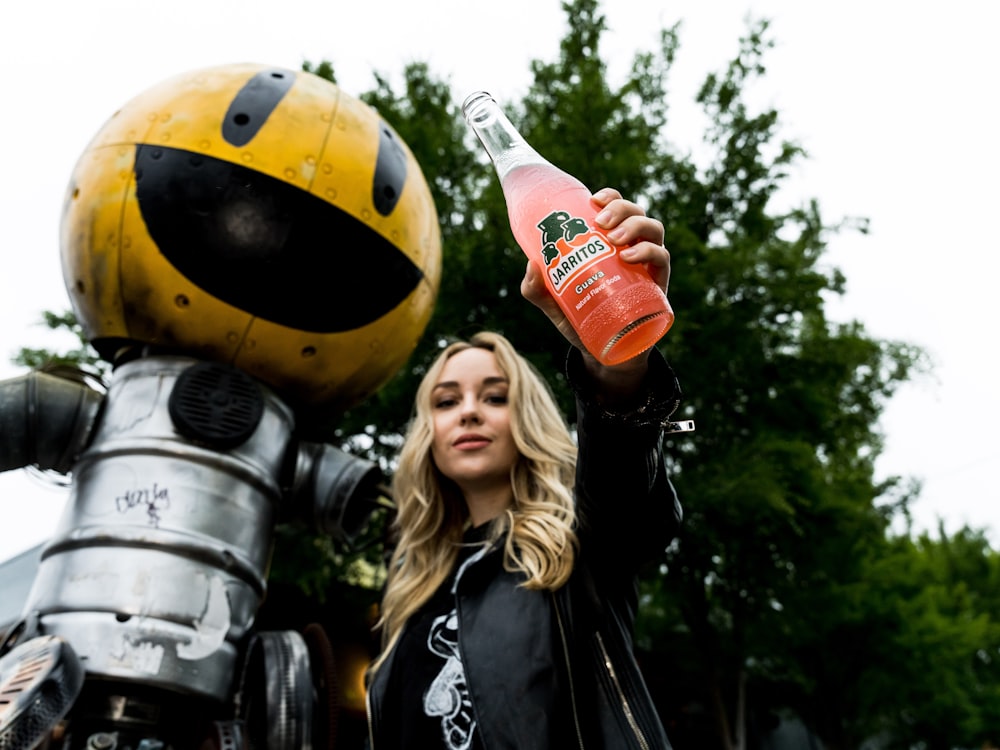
[538, 529]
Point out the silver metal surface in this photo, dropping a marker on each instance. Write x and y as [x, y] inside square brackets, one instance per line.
[159, 562]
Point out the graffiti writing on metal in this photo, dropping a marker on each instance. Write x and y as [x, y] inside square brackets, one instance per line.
[154, 499]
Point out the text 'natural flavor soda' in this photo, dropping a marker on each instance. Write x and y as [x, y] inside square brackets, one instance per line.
[616, 307]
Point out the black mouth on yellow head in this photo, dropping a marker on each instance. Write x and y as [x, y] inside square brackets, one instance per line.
[265, 246]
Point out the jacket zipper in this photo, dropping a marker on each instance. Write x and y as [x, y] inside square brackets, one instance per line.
[371, 726]
[569, 672]
[629, 716]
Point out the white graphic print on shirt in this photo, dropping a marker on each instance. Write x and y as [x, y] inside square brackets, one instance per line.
[448, 694]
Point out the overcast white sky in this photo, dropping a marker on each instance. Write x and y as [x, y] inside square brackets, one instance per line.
[894, 103]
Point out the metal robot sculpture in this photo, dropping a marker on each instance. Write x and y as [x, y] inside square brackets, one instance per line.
[254, 251]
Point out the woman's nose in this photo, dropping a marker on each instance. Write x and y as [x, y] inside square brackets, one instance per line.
[470, 411]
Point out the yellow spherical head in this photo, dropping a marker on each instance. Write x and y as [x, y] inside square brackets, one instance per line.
[260, 217]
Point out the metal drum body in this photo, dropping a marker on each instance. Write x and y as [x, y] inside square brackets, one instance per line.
[159, 563]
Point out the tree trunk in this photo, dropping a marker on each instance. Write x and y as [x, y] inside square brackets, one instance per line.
[732, 734]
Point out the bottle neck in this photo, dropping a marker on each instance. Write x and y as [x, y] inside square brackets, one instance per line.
[504, 144]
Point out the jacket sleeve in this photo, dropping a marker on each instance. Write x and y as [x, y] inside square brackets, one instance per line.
[627, 508]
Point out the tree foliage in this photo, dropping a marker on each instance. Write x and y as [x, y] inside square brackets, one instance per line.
[786, 592]
[82, 355]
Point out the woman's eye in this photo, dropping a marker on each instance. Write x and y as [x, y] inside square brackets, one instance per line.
[444, 403]
[497, 398]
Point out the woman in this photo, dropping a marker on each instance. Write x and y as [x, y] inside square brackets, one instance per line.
[508, 613]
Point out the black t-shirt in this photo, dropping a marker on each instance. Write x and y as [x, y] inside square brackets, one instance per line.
[428, 677]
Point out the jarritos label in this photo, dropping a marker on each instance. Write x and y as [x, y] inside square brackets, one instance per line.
[569, 247]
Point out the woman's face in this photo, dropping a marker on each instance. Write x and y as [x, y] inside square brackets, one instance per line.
[473, 445]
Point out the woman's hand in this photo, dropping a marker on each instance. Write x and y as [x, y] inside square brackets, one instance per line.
[641, 241]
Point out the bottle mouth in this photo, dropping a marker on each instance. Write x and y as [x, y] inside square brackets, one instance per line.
[474, 111]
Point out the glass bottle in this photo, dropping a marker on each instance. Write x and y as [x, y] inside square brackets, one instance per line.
[616, 307]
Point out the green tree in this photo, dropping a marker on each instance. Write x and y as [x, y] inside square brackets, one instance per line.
[82, 355]
[781, 504]
[915, 663]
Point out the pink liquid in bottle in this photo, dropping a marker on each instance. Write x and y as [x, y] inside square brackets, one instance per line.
[616, 307]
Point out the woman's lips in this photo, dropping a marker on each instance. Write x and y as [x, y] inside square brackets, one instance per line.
[471, 442]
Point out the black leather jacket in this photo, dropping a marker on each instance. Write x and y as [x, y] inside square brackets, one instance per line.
[556, 669]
